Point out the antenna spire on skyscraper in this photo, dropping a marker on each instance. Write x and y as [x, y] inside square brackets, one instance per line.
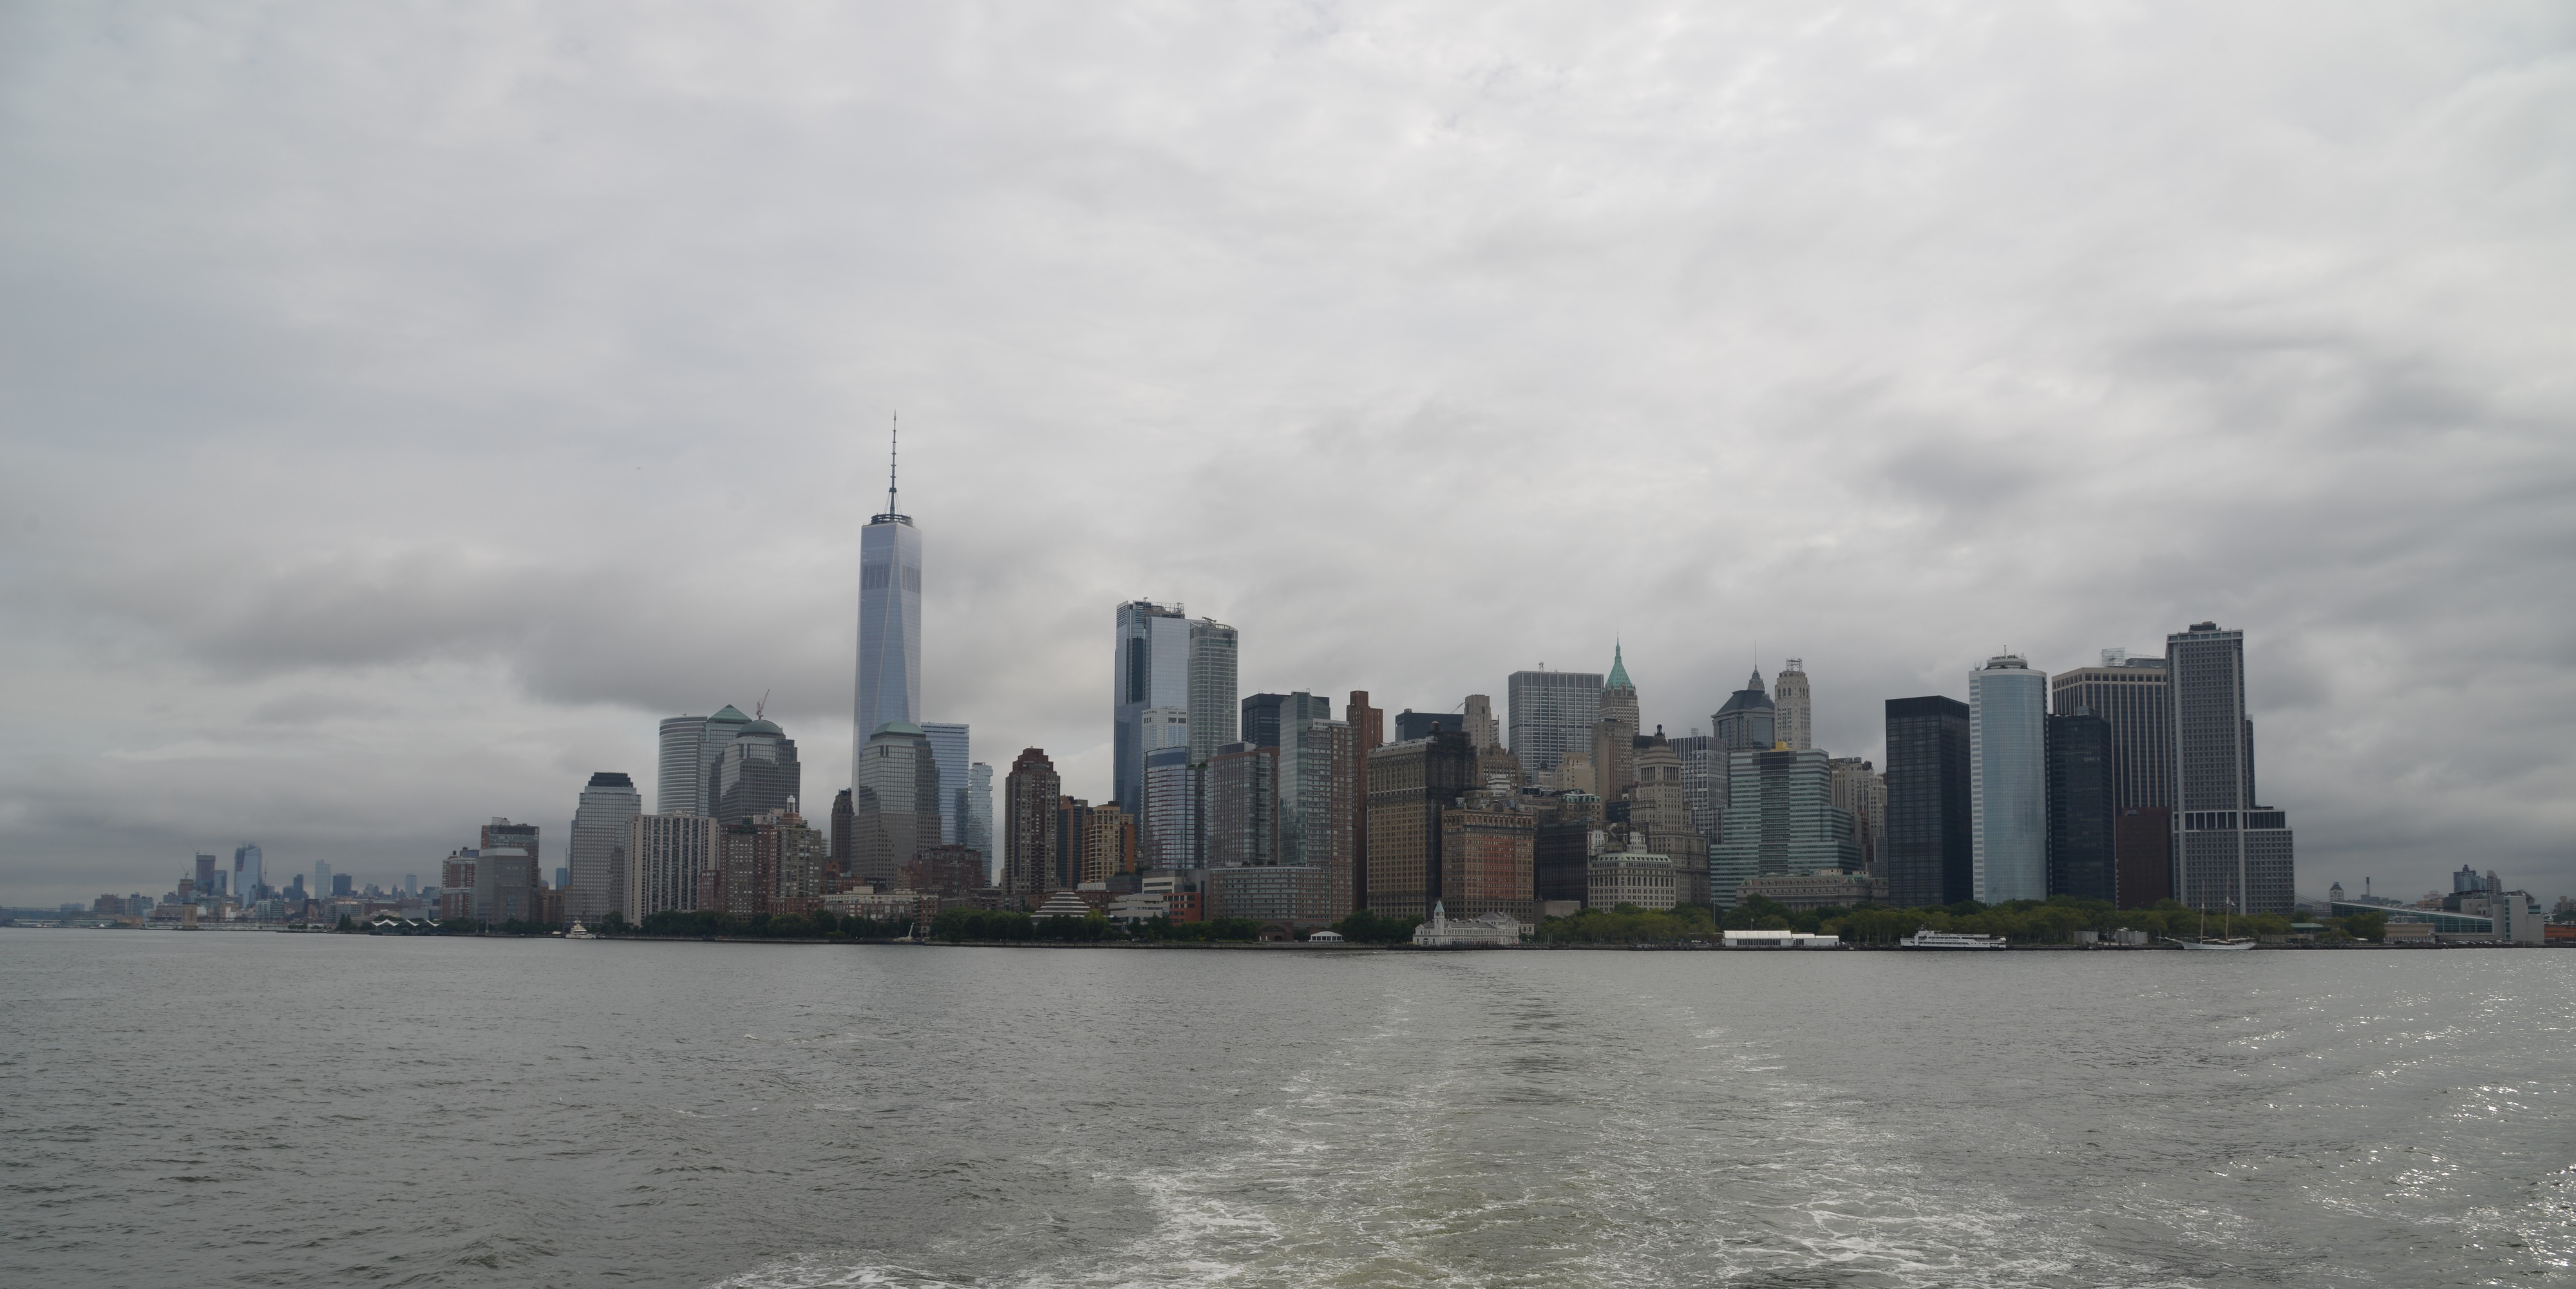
[894, 441]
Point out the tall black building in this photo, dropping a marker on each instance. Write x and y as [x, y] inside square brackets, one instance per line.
[1928, 844]
[2083, 799]
[1267, 716]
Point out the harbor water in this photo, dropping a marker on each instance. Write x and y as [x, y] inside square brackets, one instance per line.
[254, 1109]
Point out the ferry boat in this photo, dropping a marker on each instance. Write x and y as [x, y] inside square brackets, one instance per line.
[580, 932]
[1931, 939]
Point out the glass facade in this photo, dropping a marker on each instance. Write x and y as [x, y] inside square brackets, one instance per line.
[2232, 852]
[1212, 688]
[949, 753]
[2134, 698]
[756, 773]
[2082, 793]
[596, 853]
[889, 668]
[1780, 818]
[1150, 672]
[2008, 780]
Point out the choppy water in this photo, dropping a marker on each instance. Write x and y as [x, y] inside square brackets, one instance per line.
[279, 1110]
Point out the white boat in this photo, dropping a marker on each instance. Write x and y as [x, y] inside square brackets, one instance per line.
[1930, 939]
[2238, 943]
[579, 932]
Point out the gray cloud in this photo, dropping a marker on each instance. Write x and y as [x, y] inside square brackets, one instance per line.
[402, 408]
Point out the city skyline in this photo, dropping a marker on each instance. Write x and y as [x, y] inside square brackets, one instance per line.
[373, 470]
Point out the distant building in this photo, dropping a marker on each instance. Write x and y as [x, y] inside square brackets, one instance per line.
[1747, 722]
[1637, 878]
[1491, 930]
[1411, 725]
[505, 881]
[1297, 894]
[2142, 854]
[1551, 713]
[1029, 795]
[1477, 721]
[1561, 849]
[601, 822]
[888, 689]
[1410, 784]
[950, 871]
[845, 834]
[206, 875]
[247, 877]
[1862, 790]
[950, 754]
[1792, 712]
[979, 809]
[1243, 806]
[1703, 781]
[2082, 817]
[1930, 856]
[1108, 843]
[1151, 674]
[1315, 792]
[1368, 731]
[2234, 852]
[1213, 649]
[1486, 857]
[2132, 695]
[1614, 731]
[894, 803]
[1799, 892]
[756, 773]
[690, 748]
[1169, 833]
[1267, 717]
[1780, 819]
[1659, 812]
[2008, 780]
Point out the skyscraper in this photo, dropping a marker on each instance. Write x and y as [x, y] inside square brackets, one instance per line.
[1411, 725]
[666, 856]
[1169, 835]
[1748, 722]
[247, 878]
[949, 753]
[1551, 713]
[1029, 795]
[690, 748]
[755, 773]
[979, 812]
[1930, 855]
[1478, 721]
[505, 875]
[1792, 715]
[1862, 790]
[1268, 717]
[1212, 693]
[2008, 779]
[2234, 853]
[1243, 807]
[1150, 671]
[601, 823]
[888, 691]
[1410, 785]
[1780, 819]
[2134, 696]
[2081, 816]
[205, 875]
[1368, 730]
[1614, 731]
[894, 803]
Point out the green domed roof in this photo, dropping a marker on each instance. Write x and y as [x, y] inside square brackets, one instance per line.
[762, 727]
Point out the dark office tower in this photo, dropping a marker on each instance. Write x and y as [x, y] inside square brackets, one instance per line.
[505, 874]
[844, 835]
[1930, 859]
[2081, 813]
[894, 803]
[2142, 849]
[1410, 784]
[1746, 722]
[1243, 807]
[757, 773]
[1150, 669]
[1029, 796]
[205, 874]
[1368, 730]
[2131, 694]
[601, 823]
[2233, 853]
[1072, 834]
[1411, 725]
[1268, 717]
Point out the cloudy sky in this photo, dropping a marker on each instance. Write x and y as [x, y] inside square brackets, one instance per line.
[403, 407]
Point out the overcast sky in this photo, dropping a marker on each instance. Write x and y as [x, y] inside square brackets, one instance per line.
[404, 407]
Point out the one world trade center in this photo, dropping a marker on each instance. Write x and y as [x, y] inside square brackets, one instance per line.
[889, 688]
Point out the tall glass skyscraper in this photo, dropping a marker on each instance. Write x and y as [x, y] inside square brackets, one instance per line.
[889, 679]
[1150, 669]
[691, 746]
[2008, 780]
[1213, 647]
[948, 751]
[1927, 841]
[600, 827]
[1550, 714]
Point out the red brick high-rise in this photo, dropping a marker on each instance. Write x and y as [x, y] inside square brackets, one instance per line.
[1368, 729]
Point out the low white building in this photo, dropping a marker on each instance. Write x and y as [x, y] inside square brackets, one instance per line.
[1781, 940]
[1492, 929]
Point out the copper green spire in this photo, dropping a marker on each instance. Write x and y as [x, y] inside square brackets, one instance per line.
[1618, 669]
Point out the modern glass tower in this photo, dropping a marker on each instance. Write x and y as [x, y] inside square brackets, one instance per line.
[889, 679]
[1213, 647]
[1551, 713]
[1927, 841]
[949, 752]
[1150, 670]
[2008, 779]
